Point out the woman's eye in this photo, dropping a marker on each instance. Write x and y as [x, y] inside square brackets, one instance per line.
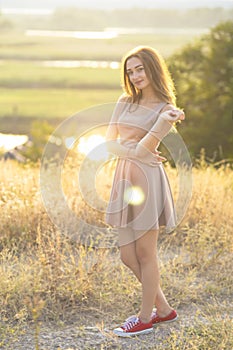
[138, 70]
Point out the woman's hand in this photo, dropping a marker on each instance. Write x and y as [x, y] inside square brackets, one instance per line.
[173, 115]
[159, 157]
[152, 158]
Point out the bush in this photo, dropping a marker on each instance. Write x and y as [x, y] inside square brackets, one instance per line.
[203, 73]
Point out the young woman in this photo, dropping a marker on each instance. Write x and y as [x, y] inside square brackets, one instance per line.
[141, 199]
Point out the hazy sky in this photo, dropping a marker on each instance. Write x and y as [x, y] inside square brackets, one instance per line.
[116, 3]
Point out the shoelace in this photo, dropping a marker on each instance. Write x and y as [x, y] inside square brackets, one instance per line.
[154, 314]
[130, 323]
[131, 318]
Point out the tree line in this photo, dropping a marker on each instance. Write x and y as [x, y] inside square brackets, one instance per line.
[73, 18]
[203, 74]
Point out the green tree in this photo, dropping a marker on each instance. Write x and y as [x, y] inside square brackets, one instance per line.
[203, 73]
[40, 132]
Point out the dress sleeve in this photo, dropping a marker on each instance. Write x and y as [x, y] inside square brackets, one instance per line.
[163, 124]
[161, 128]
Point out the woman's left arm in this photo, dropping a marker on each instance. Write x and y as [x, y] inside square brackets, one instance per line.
[146, 148]
[160, 129]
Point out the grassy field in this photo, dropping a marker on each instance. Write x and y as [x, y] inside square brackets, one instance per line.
[19, 46]
[46, 277]
[21, 107]
[52, 103]
[29, 89]
[30, 74]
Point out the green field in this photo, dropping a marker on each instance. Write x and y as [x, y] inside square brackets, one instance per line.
[34, 74]
[20, 46]
[30, 89]
[51, 103]
[20, 107]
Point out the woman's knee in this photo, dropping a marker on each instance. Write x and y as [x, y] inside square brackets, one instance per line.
[144, 256]
[146, 249]
[127, 257]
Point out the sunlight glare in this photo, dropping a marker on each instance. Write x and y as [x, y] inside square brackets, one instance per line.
[9, 141]
[69, 142]
[134, 195]
[88, 144]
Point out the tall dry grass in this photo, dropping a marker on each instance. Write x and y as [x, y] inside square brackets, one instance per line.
[44, 275]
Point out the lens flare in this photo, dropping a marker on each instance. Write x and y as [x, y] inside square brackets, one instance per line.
[87, 144]
[10, 141]
[134, 195]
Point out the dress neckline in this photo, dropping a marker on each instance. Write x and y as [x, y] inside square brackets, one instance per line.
[133, 107]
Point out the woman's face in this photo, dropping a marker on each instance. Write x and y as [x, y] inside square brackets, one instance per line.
[136, 73]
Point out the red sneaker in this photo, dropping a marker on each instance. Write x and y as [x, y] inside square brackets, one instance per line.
[169, 318]
[133, 326]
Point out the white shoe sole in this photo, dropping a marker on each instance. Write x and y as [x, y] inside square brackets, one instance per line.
[121, 333]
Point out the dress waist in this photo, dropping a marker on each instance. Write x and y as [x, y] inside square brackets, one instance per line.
[129, 143]
[133, 144]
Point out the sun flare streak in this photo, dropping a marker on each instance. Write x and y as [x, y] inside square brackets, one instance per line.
[89, 147]
[134, 195]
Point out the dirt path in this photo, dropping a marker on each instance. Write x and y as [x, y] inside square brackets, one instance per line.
[88, 334]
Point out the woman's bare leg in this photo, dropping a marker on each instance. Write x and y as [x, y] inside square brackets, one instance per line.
[162, 306]
[146, 252]
[130, 259]
[128, 251]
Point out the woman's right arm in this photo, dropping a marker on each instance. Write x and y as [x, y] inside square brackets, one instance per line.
[114, 147]
[112, 131]
[112, 143]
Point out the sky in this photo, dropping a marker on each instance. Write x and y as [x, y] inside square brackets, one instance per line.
[112, 4]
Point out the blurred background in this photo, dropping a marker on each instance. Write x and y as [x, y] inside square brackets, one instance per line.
[59, 57]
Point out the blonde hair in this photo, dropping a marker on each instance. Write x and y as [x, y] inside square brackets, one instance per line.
[156, 71]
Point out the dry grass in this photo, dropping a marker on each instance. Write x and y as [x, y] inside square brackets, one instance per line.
[46, 276]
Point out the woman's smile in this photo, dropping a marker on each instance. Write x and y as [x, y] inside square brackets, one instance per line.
[138, 82]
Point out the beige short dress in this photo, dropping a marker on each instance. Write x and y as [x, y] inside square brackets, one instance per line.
[141, 197]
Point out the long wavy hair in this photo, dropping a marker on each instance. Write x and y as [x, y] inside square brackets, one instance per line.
[156, 71]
